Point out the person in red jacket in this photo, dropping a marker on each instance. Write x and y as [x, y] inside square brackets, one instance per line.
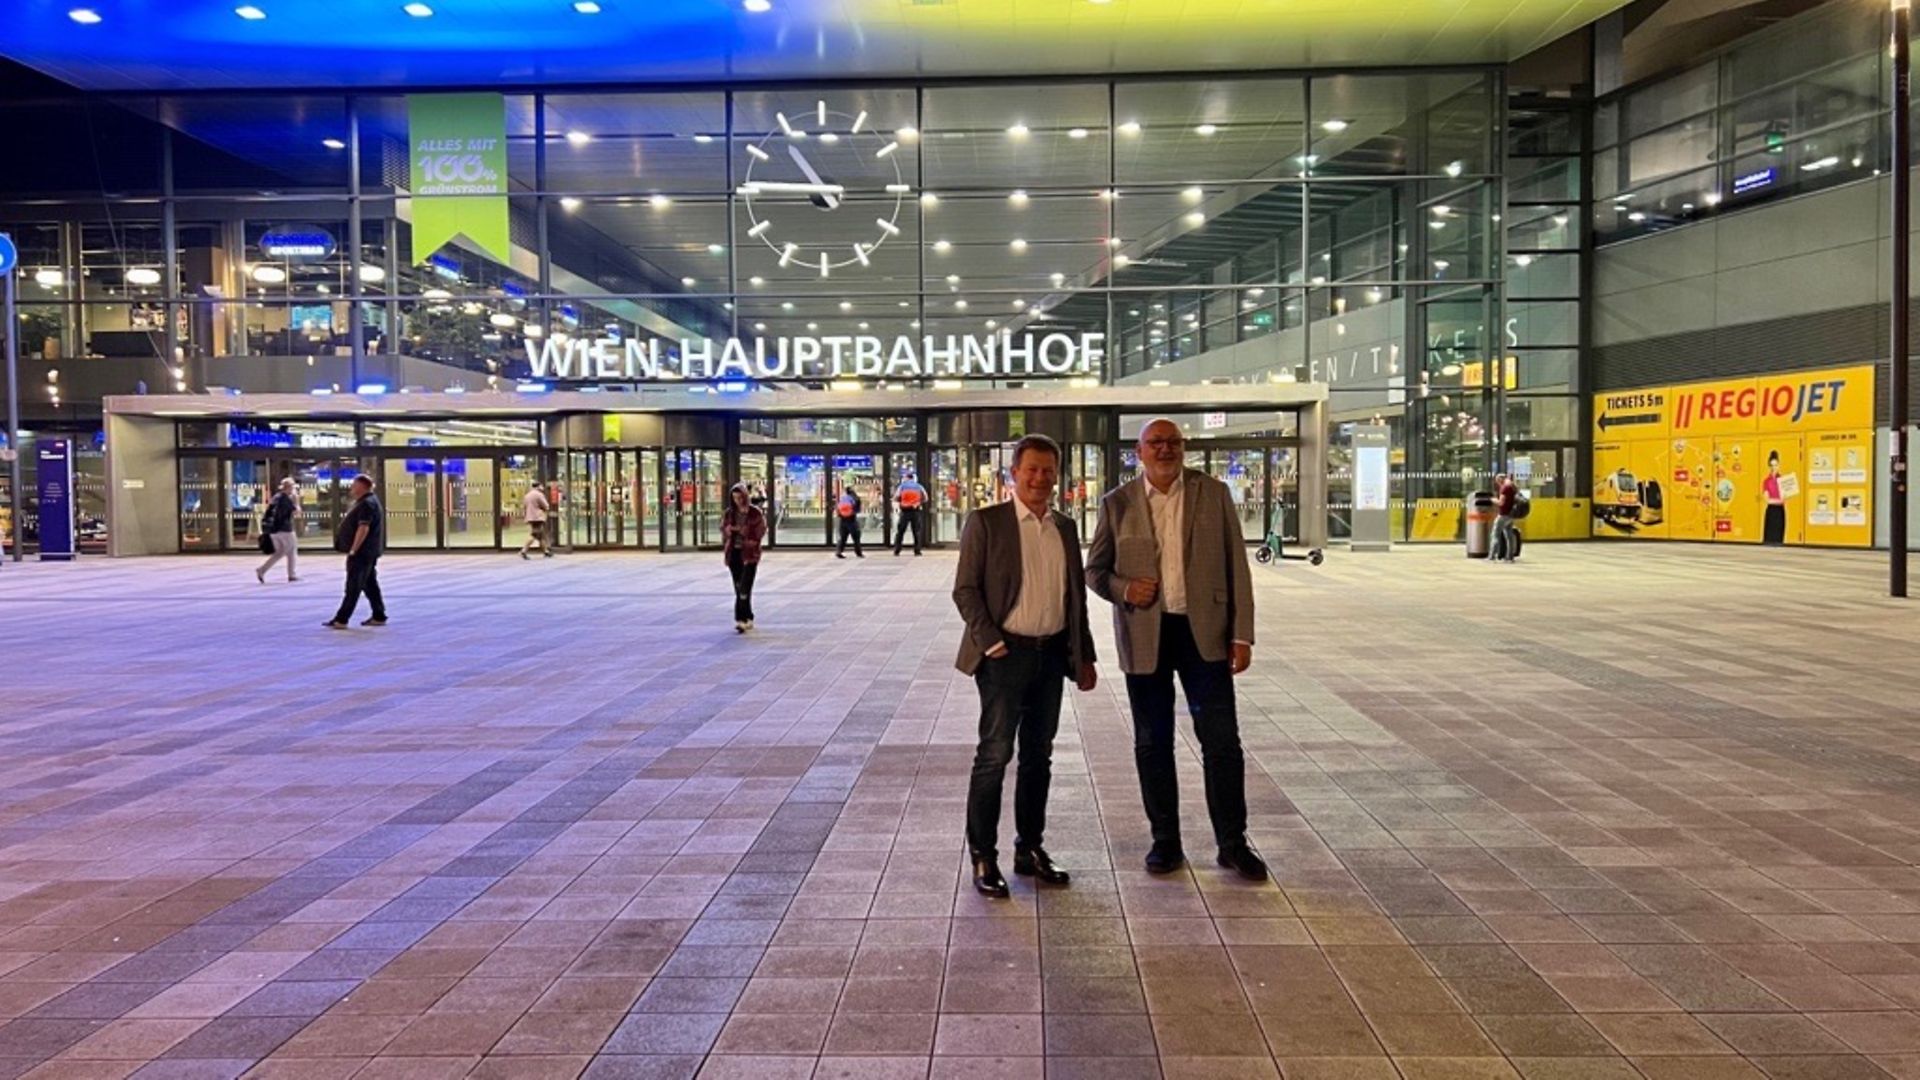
[742, 528]
[1505, 496]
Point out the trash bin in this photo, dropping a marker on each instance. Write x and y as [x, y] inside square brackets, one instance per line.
[1480, 506]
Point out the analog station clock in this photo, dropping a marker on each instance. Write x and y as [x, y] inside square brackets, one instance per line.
[808, 165]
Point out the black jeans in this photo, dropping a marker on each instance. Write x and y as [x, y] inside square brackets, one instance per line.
[743, 574]
[1019, 699]
[363, 575]
[849, 527]
[908, 519]
[1209, 688]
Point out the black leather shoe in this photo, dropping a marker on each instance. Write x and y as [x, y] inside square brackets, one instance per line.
[987, 880]
[1037, 864]
[1165, 860]
[1243, 860]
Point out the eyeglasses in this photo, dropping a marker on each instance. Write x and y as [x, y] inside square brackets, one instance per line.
[1174, 443]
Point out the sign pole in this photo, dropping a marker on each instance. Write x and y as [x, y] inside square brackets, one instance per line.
[13, 423]
[1902, 165]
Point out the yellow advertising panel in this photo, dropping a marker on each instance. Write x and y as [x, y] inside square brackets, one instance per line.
[1780, 459]
[1839, 489]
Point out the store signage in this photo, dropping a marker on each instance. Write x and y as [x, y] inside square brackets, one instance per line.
[1213, 421]
[1753, 181]
[297, 243]
[55, 460]
[844, 356]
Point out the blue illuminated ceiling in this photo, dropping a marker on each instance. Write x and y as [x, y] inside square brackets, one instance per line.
[204, 44]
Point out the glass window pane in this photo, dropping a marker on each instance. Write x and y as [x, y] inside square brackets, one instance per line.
[1239, 129]
[1014, 137]
[1543, 276]
[667, 143]
[1396, 124]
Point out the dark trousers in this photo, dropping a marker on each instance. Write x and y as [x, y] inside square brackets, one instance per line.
[743, 574]
[1019, 701]
[363, 576]
[850, 527]
[1209, 689]
[908, 518]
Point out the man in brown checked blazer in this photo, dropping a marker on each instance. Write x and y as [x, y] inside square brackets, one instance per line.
[1021, 589]
[1170, 558]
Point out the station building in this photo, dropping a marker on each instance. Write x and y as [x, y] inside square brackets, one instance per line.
[1634, 255]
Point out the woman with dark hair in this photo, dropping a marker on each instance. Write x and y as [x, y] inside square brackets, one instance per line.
[1774, 527]
[742, 528]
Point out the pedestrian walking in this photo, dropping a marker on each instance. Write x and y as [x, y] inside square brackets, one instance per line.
[1505, 496]
[847, 509]
[1170, 557]
[911, 498]
[362, 536]
[742, 528]
[535, 507]
[1019, 590]
[277, 525]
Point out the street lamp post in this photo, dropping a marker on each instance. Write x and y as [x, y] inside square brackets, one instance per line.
[1897, 383]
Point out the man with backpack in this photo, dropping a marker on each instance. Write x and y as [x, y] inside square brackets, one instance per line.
[848, 510]
[1507, 510]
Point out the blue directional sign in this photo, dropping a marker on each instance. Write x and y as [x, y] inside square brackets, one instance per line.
[9, 255]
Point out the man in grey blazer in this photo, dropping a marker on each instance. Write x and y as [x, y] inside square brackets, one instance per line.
[1020, 588]
[1170, 558]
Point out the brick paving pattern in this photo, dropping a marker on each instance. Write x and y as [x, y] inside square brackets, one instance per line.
[1614, 812]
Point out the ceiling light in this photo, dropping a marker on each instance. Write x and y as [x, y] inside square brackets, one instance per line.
[1019, 305]
[863, 326]
[906, 133]
[1441, 264]
[1636, 217]
[953, 279]
[1193, 194]
[1131, 127]
[1018, 131]
[786, 305]
[143, 275]
[1455, 168]
[1711, 198]
[579, 138]
[758, 7]
[689, 282]
[760, 326]
[1122, 259]
[1057, 277]
[1017, 244]
[659, 202]
[829, 138]
[268, 275]
[812, 326]
[372, 275]
[846, 305]
[942, 246]
[1334, 127]
[1018, 198]
[928, 198]
[586, 7]
[333, 144]
[84, 16]
[1114, 241]
[716, 249]
[502, 320]
[959, 305]
[703, 139]
[569, 203]
[1196, 218]
[50, 279]
[1523, 261]
[1206, 129]
[756, 281]
[249, 13]
[418, 10]
[1076, 133]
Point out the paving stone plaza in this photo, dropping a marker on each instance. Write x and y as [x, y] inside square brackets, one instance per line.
[1608, 812]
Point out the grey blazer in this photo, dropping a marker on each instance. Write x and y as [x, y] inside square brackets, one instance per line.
[1219, 581]
[987, 584]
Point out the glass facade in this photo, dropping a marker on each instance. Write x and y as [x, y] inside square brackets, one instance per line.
[1800, 107]
[1343, 228]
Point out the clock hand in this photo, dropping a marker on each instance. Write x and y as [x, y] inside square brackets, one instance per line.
[822, 200]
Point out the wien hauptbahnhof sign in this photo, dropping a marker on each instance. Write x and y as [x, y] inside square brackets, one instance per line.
[849, 356]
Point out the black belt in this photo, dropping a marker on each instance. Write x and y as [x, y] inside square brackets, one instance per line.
[1036, 644]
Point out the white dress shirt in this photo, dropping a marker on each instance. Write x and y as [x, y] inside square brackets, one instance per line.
[1041, 610]
[1168, 510]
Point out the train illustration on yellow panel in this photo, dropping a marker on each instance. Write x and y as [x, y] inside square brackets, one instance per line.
[1626, 502]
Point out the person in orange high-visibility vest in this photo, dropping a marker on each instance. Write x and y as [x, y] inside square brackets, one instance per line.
[847, 509]
[912, 500]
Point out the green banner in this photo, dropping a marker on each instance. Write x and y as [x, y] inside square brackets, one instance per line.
[459, 172]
